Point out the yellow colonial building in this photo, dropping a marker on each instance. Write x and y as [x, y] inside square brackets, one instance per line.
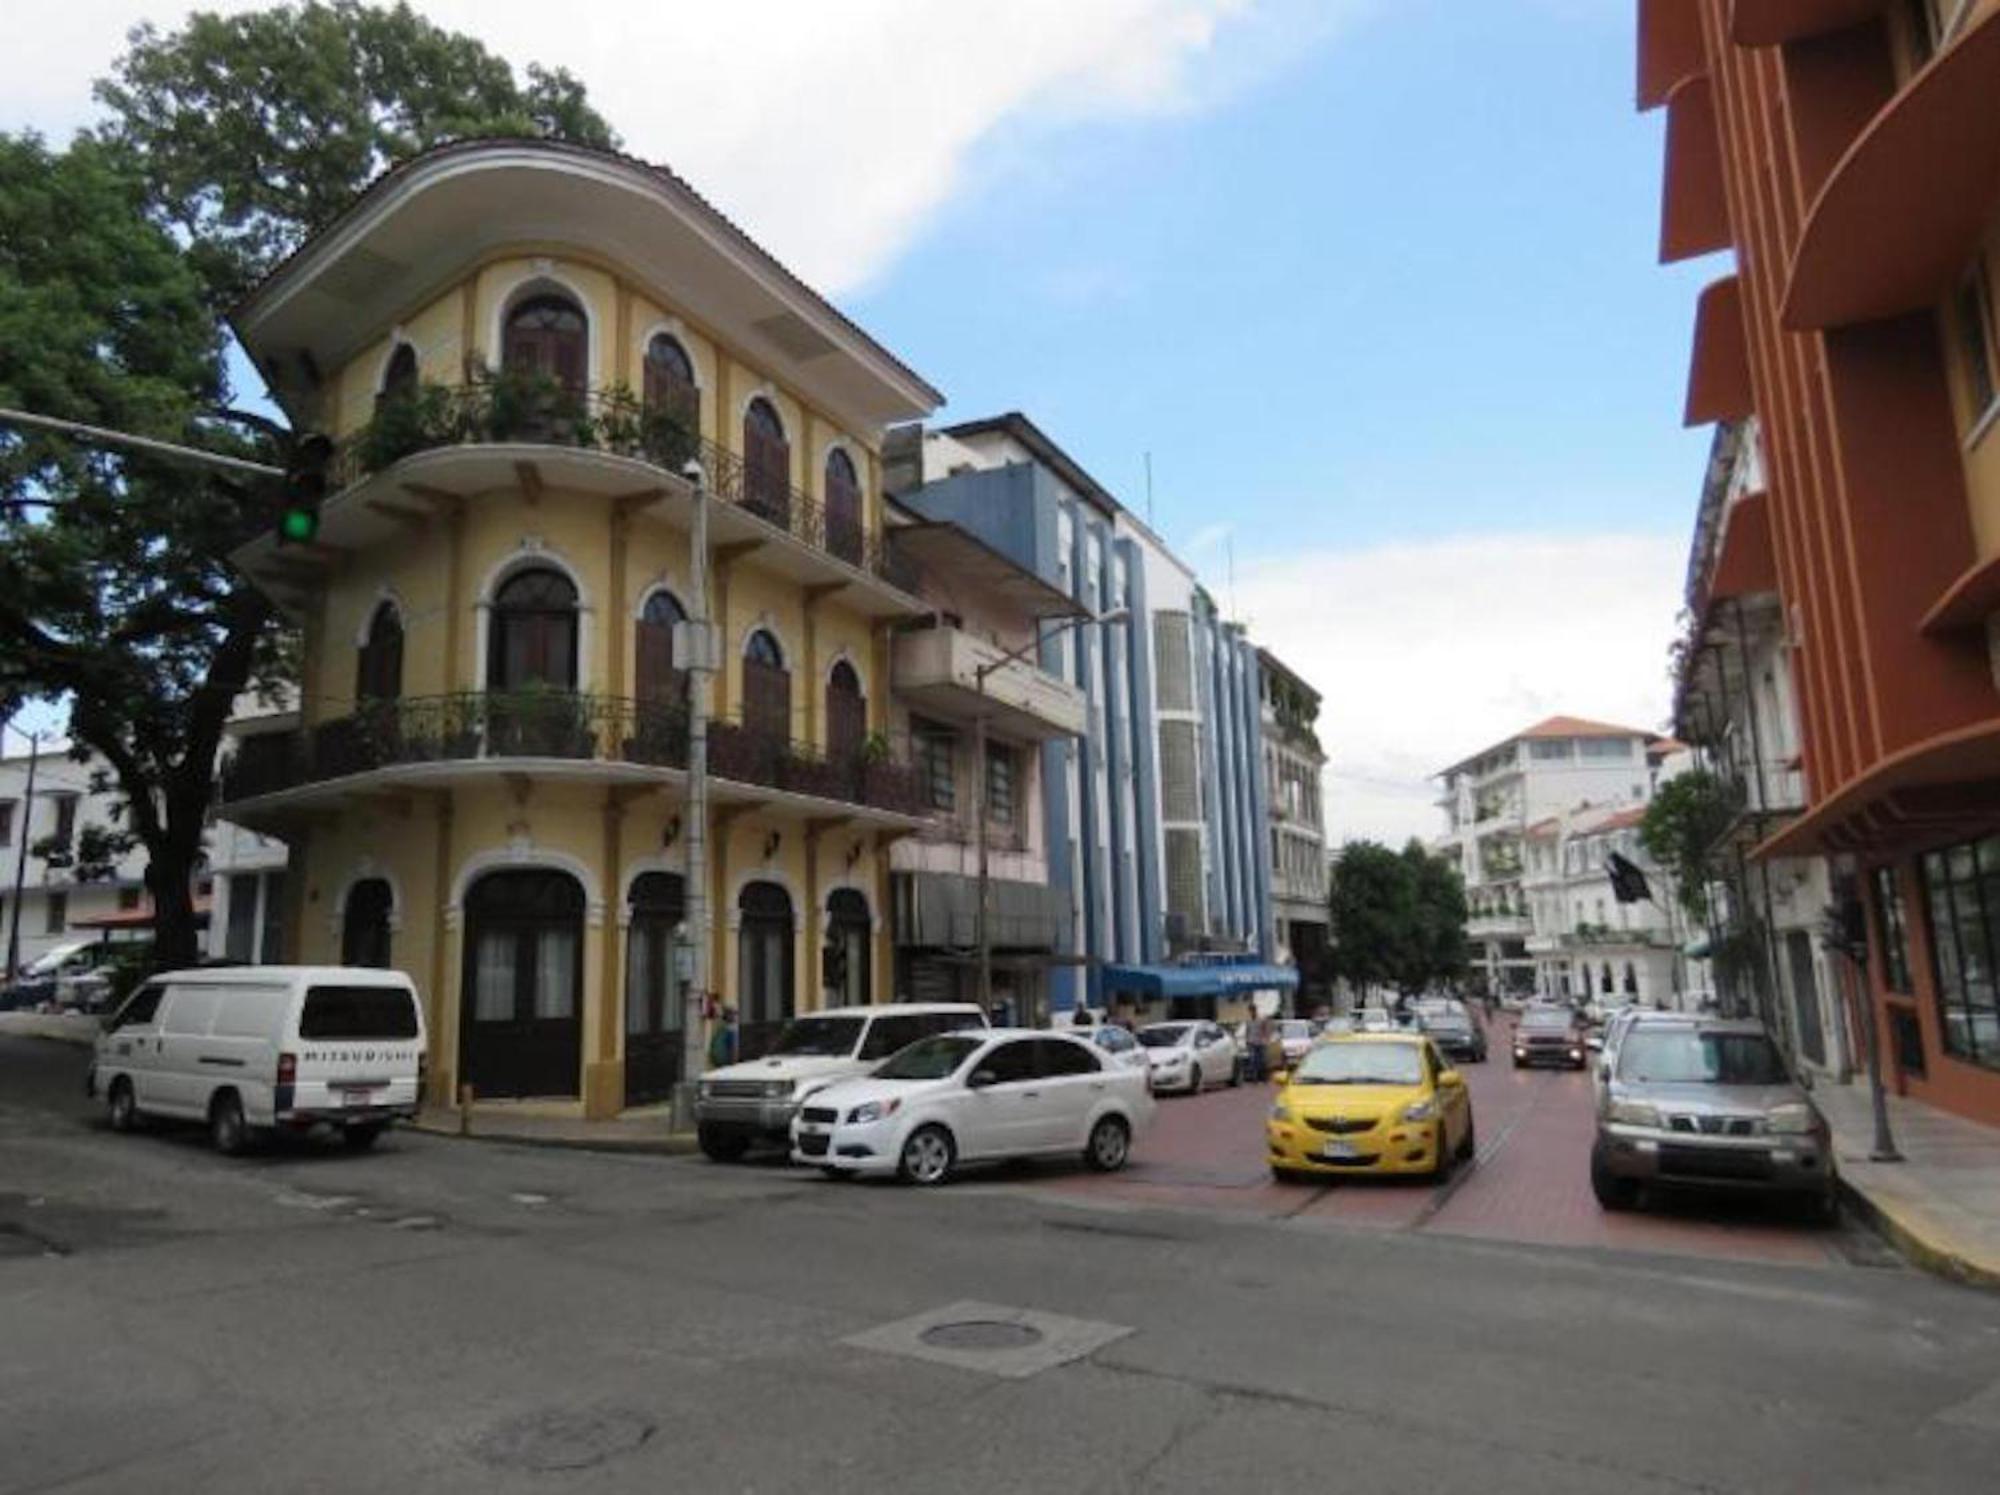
[520, 348]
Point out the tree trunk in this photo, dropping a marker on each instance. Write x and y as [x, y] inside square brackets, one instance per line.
[169, 878]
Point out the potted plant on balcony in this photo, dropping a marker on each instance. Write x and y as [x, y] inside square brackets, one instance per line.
[523, 404]
[414, 420]
[538, 721]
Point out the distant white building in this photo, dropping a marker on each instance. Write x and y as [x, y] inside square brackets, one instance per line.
[52, 905]
[1491, 799]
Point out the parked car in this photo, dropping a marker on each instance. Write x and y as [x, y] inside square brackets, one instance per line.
[1296, 1036]
[1377, 1020]
[1549, 1035]
[740, 1105]
[1190, 1056]
[67, 976]
[1606, 1043]
[259, 1048]
[1454, 1031]
[1371, 1103]
[1707, 1102]
[976, 1097]
[1118, 1044]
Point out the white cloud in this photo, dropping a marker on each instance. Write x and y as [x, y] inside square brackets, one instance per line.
[1428, 652]
[832, 132]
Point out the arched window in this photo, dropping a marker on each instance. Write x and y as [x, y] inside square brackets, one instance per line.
[846, 714]
[378, 674]
[1631, 979]
[548, 334]
[399, 380]
[1606, 978]
[655, 996]
[767, 464]
[845, 962]
[364, 926]
[764, 973]
[521, 1033]
[669, 381]
[534, 632]
[659, 683]
[843, 507]
[767, 688]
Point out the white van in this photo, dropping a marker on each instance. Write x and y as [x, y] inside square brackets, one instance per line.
[249, 1049]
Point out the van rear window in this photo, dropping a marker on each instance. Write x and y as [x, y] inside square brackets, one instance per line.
[358, 1012]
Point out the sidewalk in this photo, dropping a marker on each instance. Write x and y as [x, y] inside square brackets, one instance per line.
[500, 1123]
[1941, 1205]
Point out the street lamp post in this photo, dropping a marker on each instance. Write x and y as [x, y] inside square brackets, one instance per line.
[21, 857]
[701, 666]
[979, 677]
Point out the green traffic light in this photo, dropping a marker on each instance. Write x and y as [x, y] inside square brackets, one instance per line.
[298, 526]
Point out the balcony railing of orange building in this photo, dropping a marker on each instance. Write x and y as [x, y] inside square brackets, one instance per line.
[520, 406]
[489, 725]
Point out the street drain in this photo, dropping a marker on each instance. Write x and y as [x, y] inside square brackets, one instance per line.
[982, 1334]
[562, 1438]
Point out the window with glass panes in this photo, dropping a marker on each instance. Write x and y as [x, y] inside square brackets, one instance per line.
[1895, 923]
[1000, 783]
[1972, 311]
[1962, 890]
[933, 751]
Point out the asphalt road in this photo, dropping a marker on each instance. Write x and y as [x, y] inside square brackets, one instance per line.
[447, 1315]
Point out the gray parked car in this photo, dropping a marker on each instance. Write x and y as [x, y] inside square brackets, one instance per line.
[1706, 1102]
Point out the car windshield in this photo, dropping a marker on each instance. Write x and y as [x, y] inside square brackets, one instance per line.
[1546, 1017]
[1165, 1036]
[1295, 1029]
[818, 1037]
[1109, 1037]
[1361, 1064]
[929, 1058]
[1444, 1018]
[1684, 1055]
[49, 964]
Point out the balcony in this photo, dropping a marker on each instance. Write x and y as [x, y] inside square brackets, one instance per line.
[937, 670]
[520, 433]
[464, 738]
[1497, 926]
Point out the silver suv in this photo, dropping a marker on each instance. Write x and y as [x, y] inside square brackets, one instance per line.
[1706, 1102]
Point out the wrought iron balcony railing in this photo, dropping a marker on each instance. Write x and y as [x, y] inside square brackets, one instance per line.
[486, 725]
[514, 406]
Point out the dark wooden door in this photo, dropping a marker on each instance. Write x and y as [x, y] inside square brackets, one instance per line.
[843, 509]
[846, 714]
[364, 928]
[655, 997]
[767, 465]
[521, 998]
[766, 967]
[548, 335]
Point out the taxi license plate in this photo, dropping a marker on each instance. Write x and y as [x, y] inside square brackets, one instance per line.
[1341, 1150]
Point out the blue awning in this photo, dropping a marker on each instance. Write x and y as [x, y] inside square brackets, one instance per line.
[1199, 980]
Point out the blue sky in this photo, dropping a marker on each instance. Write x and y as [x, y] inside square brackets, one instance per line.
[1374, 281]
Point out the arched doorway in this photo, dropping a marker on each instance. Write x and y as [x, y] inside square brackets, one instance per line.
[521, 1026]
[660, 690]
[399, 380]
[845, 970]
[843, 507]
[846, 715]
[364, 925]
[767, 464]
[766, 995]
[531, 669]
[547, 335]
[655, 992]
[378, 672]
[669, 383]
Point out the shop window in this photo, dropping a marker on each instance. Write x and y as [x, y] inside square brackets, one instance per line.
[765, 976]
[1962, 890]
[1893, 920]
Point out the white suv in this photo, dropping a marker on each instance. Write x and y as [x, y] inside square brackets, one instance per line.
[739, 1105]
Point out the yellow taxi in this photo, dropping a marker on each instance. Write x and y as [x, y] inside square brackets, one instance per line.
[1370, 1103]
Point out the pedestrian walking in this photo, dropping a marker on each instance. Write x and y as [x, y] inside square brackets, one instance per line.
[722, 1042]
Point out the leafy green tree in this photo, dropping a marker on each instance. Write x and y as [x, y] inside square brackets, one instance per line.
[1686, 819]
[1397, 917]
[230, 142]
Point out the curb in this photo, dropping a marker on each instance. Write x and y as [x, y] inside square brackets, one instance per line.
[669, 1144]
[1915, 1243]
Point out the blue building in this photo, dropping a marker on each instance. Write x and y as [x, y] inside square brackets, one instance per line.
[1155, 818]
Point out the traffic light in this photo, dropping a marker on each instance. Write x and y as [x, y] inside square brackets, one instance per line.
[305, 489]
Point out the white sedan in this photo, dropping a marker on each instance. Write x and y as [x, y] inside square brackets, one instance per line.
[1190, 1056]
[1119, 1045]
[976, 1097]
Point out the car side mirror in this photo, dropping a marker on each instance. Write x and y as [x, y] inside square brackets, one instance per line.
[980, 1079]
[1281, 1078]
[1450, 1079]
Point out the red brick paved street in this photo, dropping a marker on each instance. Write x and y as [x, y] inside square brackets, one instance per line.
[1530, 1184]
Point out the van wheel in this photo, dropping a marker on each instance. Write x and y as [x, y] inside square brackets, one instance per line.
[120, 1108]
[1110, 1145]
[226, 1126]
[361, 1138]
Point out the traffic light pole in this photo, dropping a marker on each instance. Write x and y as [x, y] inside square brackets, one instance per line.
[167, 450]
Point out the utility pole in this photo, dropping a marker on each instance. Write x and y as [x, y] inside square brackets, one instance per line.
[169, 450]
[21, 858]
[701, 667]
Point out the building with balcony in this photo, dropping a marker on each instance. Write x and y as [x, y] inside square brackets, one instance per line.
[1586, 945]
[1294, 763]
[1490, 800]
[1156, 817]
[1844, 151]
[973, 661]
[529, 354]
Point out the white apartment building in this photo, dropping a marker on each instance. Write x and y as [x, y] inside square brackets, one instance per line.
[1492, 798]
[39, 834]
[1584, 942]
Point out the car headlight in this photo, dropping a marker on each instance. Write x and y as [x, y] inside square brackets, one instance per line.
[873, 1110]
[1790, 1119]
[1576, 1053]
[1280, 1111]
[1420, 1110]
[777, 1089]
[1634, 1112]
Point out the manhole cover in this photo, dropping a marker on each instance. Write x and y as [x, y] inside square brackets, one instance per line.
[982, 1334]
[562, 1438]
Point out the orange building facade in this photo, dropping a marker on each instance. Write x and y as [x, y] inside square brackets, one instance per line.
[1848, 153]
